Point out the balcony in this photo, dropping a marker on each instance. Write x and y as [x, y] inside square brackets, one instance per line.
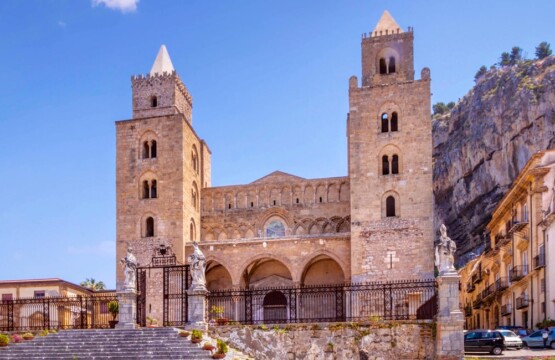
[477, 303]
[501, 284]
[468, 310]
[487, 292]
[477, 277]
[518, 272]
[521, 302]
[501, 239]
[517, 226]
[539, 261]
[506, 309]
[470, 287]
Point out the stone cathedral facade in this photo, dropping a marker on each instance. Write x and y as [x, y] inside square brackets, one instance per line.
[375, 224]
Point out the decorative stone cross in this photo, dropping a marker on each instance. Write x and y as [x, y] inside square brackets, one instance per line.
[390, 258]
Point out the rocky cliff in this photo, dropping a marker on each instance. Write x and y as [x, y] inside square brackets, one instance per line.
[484, 142]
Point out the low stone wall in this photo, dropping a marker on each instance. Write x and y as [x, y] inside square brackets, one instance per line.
[341, 341]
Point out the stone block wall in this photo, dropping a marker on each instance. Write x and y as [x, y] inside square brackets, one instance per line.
[341, 341]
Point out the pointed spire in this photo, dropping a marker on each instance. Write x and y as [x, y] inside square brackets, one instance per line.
[162, 62]
[387, 23]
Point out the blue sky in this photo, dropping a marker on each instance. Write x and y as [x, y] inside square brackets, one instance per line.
[269, 82]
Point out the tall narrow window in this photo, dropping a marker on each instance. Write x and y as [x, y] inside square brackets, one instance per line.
[385, 123]
[385, 165]
[146, 150]
[191, 232]
[145, 190]
[395, 164]
[153, 149]
[392, 65]
[390, 206]
[149, 228]
[394, 126]
[383, 66]
[153, 190]
[153, 101]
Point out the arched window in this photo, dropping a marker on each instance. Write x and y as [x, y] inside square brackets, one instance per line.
[149, 227]
[394, 126]
[146, 192]
[383, 66]
[153, 190]
[275, 229]
[195, 159]
[146, 150]
[275, 307]
[395, 164]
[390, 206]
[385, 165]
[153, 101]
[385, 123]
[192, 231]
[153, 149]
[391, 64]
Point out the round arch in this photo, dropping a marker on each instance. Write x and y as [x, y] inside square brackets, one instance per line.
[218, 276]
[323, 267]
[266, 270]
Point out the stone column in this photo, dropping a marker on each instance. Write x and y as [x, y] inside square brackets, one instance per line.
[127, 300]
[450, 319]
[197, 308]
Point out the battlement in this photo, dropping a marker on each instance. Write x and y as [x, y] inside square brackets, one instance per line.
[375, 34]
[142, 81]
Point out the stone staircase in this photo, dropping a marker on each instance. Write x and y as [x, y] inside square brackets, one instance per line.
[155, 343]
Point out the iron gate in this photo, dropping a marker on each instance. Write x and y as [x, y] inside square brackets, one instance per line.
[176, 283]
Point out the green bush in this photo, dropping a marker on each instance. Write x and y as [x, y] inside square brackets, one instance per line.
[113, 308]
[222, 347]
[4, 340]
[44, 332]
[28, 336]
[196, 334]
[543, 50]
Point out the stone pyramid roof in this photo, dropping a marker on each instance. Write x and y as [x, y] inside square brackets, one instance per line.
[163, 63]
[387, 22]
[277, 177]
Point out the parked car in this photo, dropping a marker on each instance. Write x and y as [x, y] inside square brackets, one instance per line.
[535, 339]
[512, 340]
[519, 330]
[490, 341]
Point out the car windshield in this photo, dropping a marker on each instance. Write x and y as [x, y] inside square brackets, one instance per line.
[507, 333]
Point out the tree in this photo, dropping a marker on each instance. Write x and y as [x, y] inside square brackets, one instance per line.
[440, 108]
[450, 105]
[93, 284]
[543, 50]
[515, 56]
[505, 59]
[481, 72]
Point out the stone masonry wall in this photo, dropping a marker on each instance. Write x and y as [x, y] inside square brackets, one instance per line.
[339, 341]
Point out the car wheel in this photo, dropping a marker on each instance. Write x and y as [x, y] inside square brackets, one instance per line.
[497, 350]
[524, 344]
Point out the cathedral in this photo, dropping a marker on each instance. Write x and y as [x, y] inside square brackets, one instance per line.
[374, 224]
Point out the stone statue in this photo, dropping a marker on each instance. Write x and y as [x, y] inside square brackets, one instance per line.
[198, 268]
[129, 263]
[445, 250]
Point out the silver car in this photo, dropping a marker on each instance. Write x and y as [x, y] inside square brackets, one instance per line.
[512, 340]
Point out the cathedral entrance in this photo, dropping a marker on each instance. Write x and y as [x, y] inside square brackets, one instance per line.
[162, 290]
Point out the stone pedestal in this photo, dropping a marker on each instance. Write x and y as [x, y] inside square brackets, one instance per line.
[197, 307]
[450, 319]
[127, 300]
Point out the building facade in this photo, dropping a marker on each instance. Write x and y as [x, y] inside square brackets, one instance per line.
[509, 284]
[374, 224]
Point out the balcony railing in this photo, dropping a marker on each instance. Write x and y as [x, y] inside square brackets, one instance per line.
[470, 287]
[521, 302]
[477, 303]
[501, 239]
[477, 277]
[539, 261]
[468, 310]
[501, 284]
[487, 292]
[506, 309]
[518, 272]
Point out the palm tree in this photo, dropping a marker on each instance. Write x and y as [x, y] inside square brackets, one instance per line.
[93, 284]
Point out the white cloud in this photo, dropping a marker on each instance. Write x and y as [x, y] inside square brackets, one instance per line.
[121, 5]
[105, 248]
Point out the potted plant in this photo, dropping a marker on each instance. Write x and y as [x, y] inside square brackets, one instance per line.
[28, 336]
[151, 322]
[208, 346]
[218, 311]
[4, 340]
[184, 333]
[44, 332]
[16, 338]
[113, 308]
[221, 351]
[329, 347]
[196, 336]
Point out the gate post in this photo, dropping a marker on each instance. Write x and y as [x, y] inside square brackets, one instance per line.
[197, 304]
[450, 319]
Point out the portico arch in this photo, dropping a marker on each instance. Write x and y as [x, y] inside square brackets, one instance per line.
[322, 268]
[217, 276]
[266, 270]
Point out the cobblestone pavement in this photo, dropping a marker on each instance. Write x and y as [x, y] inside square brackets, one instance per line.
[525, 353]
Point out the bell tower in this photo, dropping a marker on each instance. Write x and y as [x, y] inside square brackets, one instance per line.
[390, 160]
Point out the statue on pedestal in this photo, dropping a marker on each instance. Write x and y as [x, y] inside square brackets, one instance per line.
[129, 263]
[198, 268]
[445, 250]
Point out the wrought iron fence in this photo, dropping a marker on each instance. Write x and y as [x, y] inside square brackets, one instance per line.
[73, 312]
[403, 300]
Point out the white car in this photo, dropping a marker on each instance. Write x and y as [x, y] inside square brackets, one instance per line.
[512, 340]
